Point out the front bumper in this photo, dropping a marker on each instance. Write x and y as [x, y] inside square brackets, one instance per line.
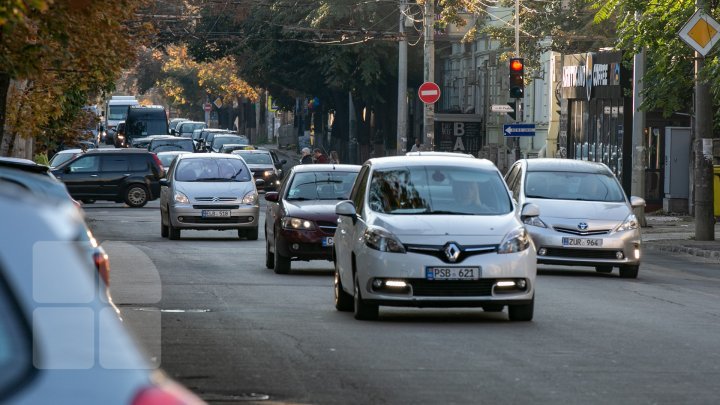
[420, 292]
[187, 216]
[550, 242]
[304, 245]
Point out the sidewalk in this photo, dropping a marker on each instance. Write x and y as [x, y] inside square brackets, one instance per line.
[676, 234]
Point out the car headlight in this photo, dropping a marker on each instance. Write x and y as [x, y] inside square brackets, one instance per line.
[250, 198]
[380, 239]
[297, 223]
[534, 221]
[120, 136]
[629, 224]
[268, 173]
[181, 198]
[515, 241]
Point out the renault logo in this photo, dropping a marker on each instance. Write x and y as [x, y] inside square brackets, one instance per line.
[582, 226]
[452, 252]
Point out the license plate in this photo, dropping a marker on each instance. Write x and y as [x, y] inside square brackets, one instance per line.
[582, 242]
[328, 242]
[216, 213]
[452, 273]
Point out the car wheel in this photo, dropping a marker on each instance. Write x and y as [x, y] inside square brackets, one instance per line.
[252, 234]
[604, 269]
[136, 196]
[363, 310]
[163, 228]
[269, 257]
[343, 300]
[493, 308]
[173, 233]
[282, 263]
[630, 271]
[522, 313]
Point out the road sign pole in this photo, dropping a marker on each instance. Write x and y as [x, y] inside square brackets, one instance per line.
[401, 141]
[429, 73]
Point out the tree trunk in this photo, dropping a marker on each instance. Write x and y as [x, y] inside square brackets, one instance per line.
[4, 87]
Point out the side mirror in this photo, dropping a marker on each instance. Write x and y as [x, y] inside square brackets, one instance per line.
[67, 169]
[272, 196]
[346, 209]
[530, 210]
[259, 182]
[637, 202]
[164, 182]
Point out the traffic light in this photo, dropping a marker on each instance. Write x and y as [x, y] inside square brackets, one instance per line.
[517, 78]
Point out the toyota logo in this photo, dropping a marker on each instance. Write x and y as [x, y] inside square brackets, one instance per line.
[452, 252]
[582, 226]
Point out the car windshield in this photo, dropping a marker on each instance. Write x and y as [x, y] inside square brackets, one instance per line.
[559, 185]
[321, 185]
[188, 128]
[172, 144]
[438, 190]
[60, 158]
[255, 158]
[212, 169]
[117, 112]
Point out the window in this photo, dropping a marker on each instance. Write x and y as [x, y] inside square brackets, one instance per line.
[573, 186]
[138, 163]
[165, 145]
[85, 164]
[115, 164]
[325, 185]
[255, 158]
[358, 192]
[117, 112]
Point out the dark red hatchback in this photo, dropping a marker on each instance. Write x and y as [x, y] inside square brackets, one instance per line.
[300, 221]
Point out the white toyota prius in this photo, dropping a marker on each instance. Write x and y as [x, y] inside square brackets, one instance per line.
[434, 231]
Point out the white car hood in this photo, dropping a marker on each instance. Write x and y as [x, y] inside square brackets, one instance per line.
[447, 225]
[581, 210]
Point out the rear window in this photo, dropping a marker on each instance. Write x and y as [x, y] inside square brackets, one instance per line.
[15, 341]
[138, 163]
[172, 144]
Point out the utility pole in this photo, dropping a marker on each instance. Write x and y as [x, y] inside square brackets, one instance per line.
[429, 72]
[401, 140]
[517, 29]
[637, 187]
[703, 168]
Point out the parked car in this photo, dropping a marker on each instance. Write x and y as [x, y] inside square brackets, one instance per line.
[300, 220]
[433, 232]
[586, 220]
[167, 157]
[121, 175]
[63, 156]
[186, 129]
[209, 191]
[171, 143]
[142, 121]
[61, 341]
[215, 141]
[173, 124]
[262, 166]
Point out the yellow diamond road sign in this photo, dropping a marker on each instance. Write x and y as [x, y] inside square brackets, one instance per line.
[701, 32]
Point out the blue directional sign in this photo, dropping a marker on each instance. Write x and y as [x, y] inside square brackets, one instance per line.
[519, 129]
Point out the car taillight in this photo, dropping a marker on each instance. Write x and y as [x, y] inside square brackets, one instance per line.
[158, 163]
[102, 264]
[167, 394]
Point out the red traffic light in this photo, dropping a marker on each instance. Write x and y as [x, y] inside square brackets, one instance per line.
[516, 65]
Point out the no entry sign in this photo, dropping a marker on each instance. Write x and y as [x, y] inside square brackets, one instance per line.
[429, 93]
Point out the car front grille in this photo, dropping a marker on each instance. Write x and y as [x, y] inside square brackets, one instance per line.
[581, 233]
[580, 253]
[439, 251]
[327, 227]
[213, 199]
[216, 207]
[451, 288]
[226, 220]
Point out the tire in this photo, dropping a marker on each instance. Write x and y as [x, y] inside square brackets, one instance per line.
[252, 234]
[604, 269]
[269, 257]
[343, 300]
[136, 196]
[363, 310]
[630, 271]
[163, 228]
[282, 263]
[521, 313]
[173, 233]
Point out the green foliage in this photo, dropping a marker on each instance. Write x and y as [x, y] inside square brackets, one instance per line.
[41, 159]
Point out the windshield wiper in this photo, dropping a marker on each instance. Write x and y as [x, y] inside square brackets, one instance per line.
[237, 173]
[213, 179]
[440, 212]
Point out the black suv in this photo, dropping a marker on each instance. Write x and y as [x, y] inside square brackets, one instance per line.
[121, 175]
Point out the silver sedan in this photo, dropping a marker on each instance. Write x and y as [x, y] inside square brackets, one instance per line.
[209, 191]
[586, 218]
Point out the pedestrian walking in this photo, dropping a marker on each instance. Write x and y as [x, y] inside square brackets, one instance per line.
[306, 158]
[320, 157]
[418, 146]
[334, 158]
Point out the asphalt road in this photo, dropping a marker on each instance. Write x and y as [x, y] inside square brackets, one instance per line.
[248, 334]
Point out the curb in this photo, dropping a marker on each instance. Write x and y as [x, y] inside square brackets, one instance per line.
[708, 254]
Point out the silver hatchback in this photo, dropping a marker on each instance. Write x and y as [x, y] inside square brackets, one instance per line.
[586, 218]
[209, 191]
